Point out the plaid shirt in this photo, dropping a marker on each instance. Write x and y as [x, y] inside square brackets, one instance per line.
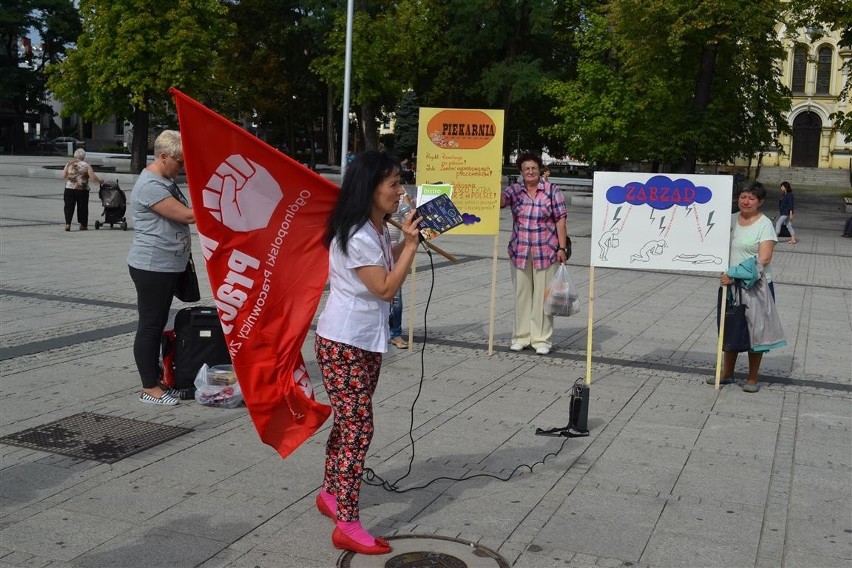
[534, 224]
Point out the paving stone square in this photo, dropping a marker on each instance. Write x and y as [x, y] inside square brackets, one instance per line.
[673, 472]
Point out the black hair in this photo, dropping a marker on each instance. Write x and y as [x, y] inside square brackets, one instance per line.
[528, 157]
[755, 188]
[355, 202]
[786, 185]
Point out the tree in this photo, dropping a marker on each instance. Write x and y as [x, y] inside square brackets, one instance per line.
[23, 90]
[680, 83]
[131, 52]
[407, 125]
[500, 54]
[267, 66]
[382, 55]
[597, 109]
[454, 53]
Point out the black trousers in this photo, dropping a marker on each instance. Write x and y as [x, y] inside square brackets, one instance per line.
[78, 198]
[154, 292]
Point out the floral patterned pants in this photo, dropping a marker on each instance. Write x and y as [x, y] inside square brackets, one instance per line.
[349, 375]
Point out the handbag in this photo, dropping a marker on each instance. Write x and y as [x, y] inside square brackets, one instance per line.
[186, 287]
[737, 337]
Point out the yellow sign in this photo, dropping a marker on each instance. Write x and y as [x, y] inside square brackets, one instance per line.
[464, 148]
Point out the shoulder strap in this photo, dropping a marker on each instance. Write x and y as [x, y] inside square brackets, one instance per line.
[550, 188]
[177, 193]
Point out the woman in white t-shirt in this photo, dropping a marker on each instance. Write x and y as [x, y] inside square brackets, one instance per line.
[752, 235]
[365, 272]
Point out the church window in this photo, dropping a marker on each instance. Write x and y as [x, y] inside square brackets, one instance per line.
[823, 71]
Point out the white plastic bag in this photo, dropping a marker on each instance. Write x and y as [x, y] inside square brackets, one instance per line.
[563, 298]
[218, 386]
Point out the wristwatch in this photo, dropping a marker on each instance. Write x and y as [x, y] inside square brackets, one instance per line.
[561, 248]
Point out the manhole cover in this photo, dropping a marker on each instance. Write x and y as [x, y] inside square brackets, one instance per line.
[96, 437]
[419, 551]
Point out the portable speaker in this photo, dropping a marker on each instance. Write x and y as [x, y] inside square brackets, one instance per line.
[578, 410]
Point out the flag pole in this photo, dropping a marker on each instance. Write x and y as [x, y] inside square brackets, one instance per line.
[590, 325]
[493, 310]
[443, 253]
[347, 76]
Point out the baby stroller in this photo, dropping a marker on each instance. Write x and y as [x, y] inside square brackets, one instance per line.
[115, 204]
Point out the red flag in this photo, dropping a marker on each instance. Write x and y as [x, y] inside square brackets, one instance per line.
[261, 218]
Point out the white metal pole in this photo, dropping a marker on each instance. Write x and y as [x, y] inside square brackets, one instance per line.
[344, 135]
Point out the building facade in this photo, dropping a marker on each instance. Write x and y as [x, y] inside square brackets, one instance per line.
[816, 69]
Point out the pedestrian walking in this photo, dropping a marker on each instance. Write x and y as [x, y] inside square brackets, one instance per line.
[785, 212]
[78, 173]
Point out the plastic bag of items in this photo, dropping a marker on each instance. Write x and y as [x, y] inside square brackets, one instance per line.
[218, 386]
[562, 298]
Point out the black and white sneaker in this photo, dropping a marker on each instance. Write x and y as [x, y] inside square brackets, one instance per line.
[166, 399]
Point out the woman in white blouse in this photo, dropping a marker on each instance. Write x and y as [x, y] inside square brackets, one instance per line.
[365, 272]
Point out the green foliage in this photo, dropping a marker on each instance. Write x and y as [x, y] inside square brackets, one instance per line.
[22, 79]
[383, 52]
[407, 124]
[457, 53]
[266, 68]
[132, 51]
[661, 81]
[670, 83]
[500, 54]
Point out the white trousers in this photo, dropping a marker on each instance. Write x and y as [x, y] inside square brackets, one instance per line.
[532, 327]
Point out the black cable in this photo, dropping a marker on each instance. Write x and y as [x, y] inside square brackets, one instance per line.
[370, 477]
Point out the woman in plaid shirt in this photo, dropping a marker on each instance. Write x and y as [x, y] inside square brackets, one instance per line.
[539, 240]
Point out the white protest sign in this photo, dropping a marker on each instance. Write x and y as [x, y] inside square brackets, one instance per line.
[661, 221]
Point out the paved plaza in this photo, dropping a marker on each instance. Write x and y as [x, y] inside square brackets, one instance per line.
[673, 473]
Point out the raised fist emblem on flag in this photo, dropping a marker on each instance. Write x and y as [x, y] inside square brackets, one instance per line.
[303, 381]
[242, 194]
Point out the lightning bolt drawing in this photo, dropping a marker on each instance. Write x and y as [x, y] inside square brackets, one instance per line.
[652, 215]
[662, 222]
[710, 222]
[688, 209]
[616, 218]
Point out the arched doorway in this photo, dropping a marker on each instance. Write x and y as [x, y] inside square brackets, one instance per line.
[806, 134]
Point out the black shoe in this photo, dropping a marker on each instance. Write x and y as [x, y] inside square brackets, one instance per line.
[574, 433]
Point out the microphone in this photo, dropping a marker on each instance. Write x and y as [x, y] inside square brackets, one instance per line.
[403, 210]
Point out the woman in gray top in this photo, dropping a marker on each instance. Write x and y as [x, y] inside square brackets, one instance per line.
[159, 253]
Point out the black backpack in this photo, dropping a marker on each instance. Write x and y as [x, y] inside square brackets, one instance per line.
[198, 339]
